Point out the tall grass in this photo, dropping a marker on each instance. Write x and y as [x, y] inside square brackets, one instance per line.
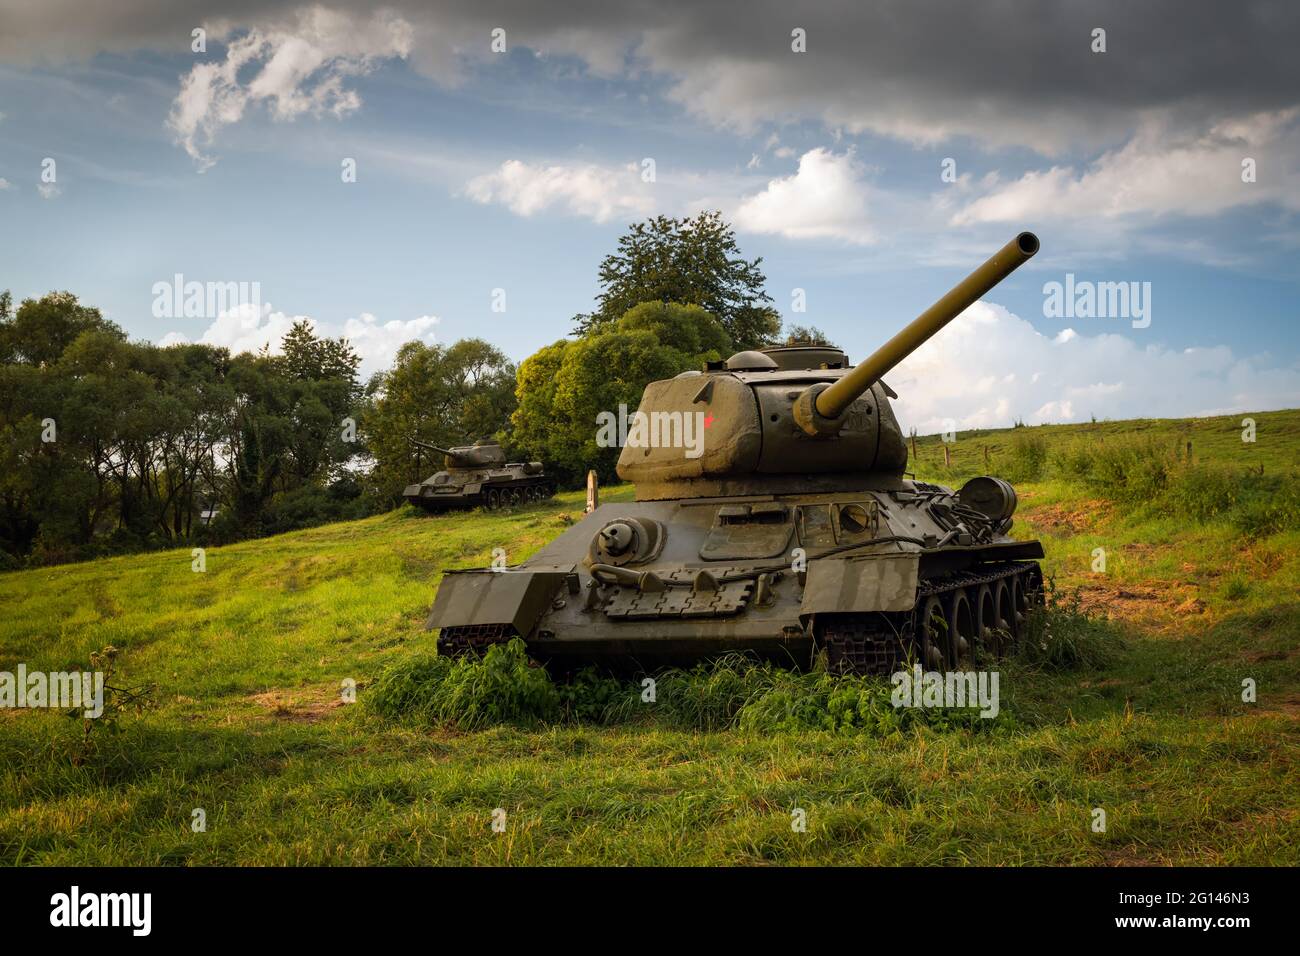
[1145, 474]
[734, 692]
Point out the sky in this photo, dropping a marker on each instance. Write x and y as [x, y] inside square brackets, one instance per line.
[871, 154]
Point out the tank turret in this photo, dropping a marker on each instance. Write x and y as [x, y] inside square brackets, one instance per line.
[788, 419]
[773, 515]
[481, 454]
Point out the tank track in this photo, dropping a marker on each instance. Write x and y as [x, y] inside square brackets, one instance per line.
[879, 643]
[472, 639]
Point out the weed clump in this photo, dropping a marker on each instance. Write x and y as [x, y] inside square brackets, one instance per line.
[1062, 636]
[502, 688]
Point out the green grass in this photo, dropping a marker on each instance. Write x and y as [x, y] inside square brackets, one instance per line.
[1134, 707]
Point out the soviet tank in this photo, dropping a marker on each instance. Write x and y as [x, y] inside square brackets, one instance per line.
[479, 475]
[792, 530]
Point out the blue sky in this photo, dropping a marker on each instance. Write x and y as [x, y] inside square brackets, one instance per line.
[479, 171]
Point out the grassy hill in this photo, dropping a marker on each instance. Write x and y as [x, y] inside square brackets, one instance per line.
[1201, 583]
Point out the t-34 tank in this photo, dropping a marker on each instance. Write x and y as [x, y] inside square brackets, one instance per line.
[479, 474]
[789, 529]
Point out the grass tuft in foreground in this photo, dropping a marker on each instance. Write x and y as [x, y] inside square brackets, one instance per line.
[734, 692]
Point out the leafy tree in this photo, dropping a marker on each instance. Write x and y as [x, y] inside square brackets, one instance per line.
[564, 386]
[42, 328]
[694, 261]
[805, 335]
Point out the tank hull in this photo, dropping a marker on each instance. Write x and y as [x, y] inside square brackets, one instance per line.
[783, 581]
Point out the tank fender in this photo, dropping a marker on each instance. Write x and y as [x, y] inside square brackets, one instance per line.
[508, 596]
[880, 582]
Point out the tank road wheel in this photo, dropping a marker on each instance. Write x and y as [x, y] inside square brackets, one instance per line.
[986, 621]
[516, 497]
[1034, 593]
[961, 630]
[1018, 606]
[1005, 602]
[932, 633]
[493, 499]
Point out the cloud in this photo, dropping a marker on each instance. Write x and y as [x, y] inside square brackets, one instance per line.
[825, 199]
[599, 193]
[926, 71]
[989, 368]
[5, 184]
[246, 328]
[296, 71]
[377, 343]
[1157, 174]
[49, 191]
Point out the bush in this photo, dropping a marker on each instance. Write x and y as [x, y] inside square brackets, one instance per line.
[1203, 493]
[1028, 458]
[1130, 471]
[1270, 510]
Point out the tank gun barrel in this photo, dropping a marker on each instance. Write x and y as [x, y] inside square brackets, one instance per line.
[818, 407]
[430, 447]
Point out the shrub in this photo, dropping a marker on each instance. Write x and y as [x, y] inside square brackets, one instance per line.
[1270, 510]
[1203, 493]
[1028, 458]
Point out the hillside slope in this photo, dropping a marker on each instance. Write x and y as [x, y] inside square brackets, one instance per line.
[250, 654]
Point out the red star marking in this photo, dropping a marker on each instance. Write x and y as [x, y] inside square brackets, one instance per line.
[708, 420]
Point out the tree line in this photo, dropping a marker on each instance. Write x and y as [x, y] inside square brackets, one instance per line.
[110, 445]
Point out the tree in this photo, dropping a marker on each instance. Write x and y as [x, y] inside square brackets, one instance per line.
[564, 386]
[42, 328]
[693, 261]
[805, 335]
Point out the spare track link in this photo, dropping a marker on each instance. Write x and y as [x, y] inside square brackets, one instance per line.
[869, 644]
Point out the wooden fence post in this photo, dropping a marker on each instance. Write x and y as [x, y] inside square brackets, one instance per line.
[593, 492]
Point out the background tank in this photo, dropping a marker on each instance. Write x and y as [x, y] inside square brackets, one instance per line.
[479, 474]
[773, 514]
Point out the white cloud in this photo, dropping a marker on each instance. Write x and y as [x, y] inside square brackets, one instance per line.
[990, 367]
[49, 190]
[1156, 173]
[300, 71]
[245, 328]
[5, 184]
[377, 343]
[825, 199]
[599, 193]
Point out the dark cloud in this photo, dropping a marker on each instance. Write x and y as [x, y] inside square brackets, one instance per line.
[1003, 72]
